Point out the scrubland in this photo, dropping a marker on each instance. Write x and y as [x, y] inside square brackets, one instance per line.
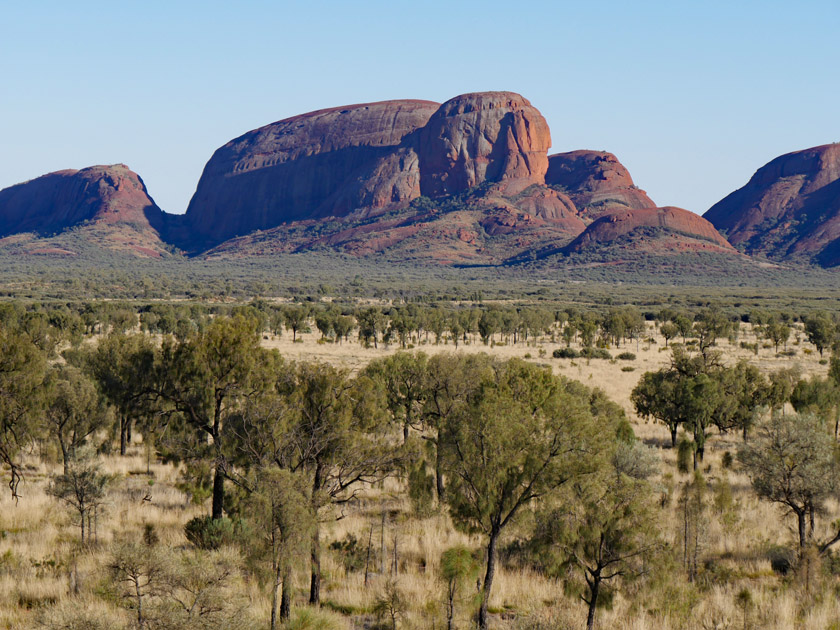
[49, 579]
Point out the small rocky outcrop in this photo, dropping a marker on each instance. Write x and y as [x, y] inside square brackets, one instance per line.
[686, 229]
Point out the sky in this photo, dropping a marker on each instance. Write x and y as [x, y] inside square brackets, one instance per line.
[692, 97]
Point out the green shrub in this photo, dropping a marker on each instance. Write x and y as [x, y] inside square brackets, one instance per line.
[565, 353]
[595, 353]
[628, 368]
[626, 356]
[208, 533]
[353, 555]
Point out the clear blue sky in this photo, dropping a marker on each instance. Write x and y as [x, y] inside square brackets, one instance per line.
[692, 96]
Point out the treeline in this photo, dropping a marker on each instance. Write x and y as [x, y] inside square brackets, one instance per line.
[410, 324]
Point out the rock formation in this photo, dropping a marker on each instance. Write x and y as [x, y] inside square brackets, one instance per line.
[689, 231]
[324, 163]
[596, 182]
[107, 207]
[57, 201]
[485, 136]
[790, 208]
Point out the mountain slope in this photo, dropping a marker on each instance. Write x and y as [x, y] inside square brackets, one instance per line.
[789, 210]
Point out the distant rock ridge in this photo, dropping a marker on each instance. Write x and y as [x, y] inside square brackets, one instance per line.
[790, 208]
[466, 182]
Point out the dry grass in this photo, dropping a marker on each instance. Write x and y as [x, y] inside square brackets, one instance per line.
[41, 561]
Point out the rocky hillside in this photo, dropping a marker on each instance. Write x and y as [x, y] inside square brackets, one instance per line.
[105, 206]
[789, 210]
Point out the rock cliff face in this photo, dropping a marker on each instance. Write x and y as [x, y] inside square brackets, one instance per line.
[685, 229]
[790, 208]
[57, 201]
[324, 163]
[485, 136]
[596, 182]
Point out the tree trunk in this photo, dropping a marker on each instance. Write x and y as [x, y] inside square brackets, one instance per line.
[315, 583]
[488, 580]
[674, 429]
[803, 537]
[439, 487]
[139, 597]
[218, 493]
[286, 596]
[65, 456]
[123, 435]
[278, 581]
[594, 587]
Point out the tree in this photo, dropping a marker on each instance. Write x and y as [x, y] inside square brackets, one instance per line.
[283, 510]
[603, 531]
[820, 329]
[73, 411]
[140, 568]
[371, 323]
[123, 367]
[402, 376]
[655, 397]
[524, 435]
[82, 488]
[296, 317]
[451, 382]
[22, 372]
[668, 330]
[207, 378]
[343, 325]
[792, 462]
[457, 568]
[335, 433]
[777, 332]
[744, 391]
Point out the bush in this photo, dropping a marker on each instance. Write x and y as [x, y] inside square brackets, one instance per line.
[565, 353]
[207, 533]
[353, 555]
[595, 353]
[685, 451]
[782, 559]
[628, 368]
[626, 356]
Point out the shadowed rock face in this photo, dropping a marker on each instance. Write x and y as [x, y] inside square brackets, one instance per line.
[790, 208]
[60, 200]
[679, 222]
[324, 163]
[486, 136]
[596, 181]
